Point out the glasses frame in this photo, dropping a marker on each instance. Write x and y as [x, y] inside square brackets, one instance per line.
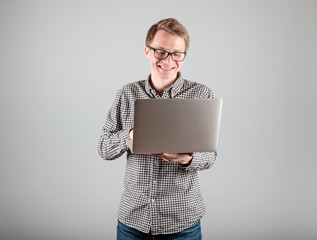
[168, 53]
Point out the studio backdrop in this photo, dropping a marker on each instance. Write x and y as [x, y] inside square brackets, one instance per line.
[61, 64]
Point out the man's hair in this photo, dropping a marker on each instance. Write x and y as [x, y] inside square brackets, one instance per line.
[170, 25]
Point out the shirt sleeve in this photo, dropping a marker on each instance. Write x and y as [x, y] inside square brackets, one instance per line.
[201, 161]
[112, 142]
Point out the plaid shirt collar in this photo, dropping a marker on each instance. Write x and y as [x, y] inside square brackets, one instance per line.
[172, 90]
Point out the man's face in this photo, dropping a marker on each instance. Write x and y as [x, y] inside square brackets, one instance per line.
[165, 69]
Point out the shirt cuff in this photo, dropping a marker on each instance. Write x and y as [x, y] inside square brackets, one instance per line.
[125, 137]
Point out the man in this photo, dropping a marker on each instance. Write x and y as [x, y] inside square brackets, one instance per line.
[161, 195]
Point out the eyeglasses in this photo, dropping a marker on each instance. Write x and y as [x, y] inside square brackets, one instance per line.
[162, 54]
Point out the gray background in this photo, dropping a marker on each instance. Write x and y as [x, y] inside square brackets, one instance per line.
[61, 64]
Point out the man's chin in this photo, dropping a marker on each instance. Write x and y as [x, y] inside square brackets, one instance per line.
[169, 77]
[168, 74]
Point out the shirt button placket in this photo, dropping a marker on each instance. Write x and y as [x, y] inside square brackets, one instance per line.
[154, 192]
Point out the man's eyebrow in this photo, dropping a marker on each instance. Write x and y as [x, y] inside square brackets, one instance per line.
[161, 48]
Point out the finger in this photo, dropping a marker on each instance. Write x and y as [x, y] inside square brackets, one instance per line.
[170, 155]
[177, 155]
[166, 159]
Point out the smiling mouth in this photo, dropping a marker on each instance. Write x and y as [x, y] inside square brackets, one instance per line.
[166, 68]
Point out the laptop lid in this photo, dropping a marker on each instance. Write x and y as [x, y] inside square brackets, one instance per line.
[176, 125]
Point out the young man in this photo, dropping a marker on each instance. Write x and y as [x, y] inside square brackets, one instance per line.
[161, 195]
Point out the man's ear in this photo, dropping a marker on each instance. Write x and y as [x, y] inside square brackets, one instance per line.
[147, 52]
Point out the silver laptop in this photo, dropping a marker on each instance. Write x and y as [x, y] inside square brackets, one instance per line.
[176, 125]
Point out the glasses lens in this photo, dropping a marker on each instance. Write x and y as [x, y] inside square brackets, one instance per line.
[178, 56]
[160, 54]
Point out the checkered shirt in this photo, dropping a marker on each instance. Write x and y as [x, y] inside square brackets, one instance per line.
[159, 197]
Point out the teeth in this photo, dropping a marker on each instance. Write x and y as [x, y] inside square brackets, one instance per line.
[166, 68]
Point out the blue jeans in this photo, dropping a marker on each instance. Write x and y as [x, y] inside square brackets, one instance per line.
[126, 233]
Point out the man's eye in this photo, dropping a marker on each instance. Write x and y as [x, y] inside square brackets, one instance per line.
[162, 53]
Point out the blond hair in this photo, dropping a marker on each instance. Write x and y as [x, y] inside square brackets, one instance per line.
[170, 25]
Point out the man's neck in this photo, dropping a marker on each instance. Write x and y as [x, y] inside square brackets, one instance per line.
[160, 85]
